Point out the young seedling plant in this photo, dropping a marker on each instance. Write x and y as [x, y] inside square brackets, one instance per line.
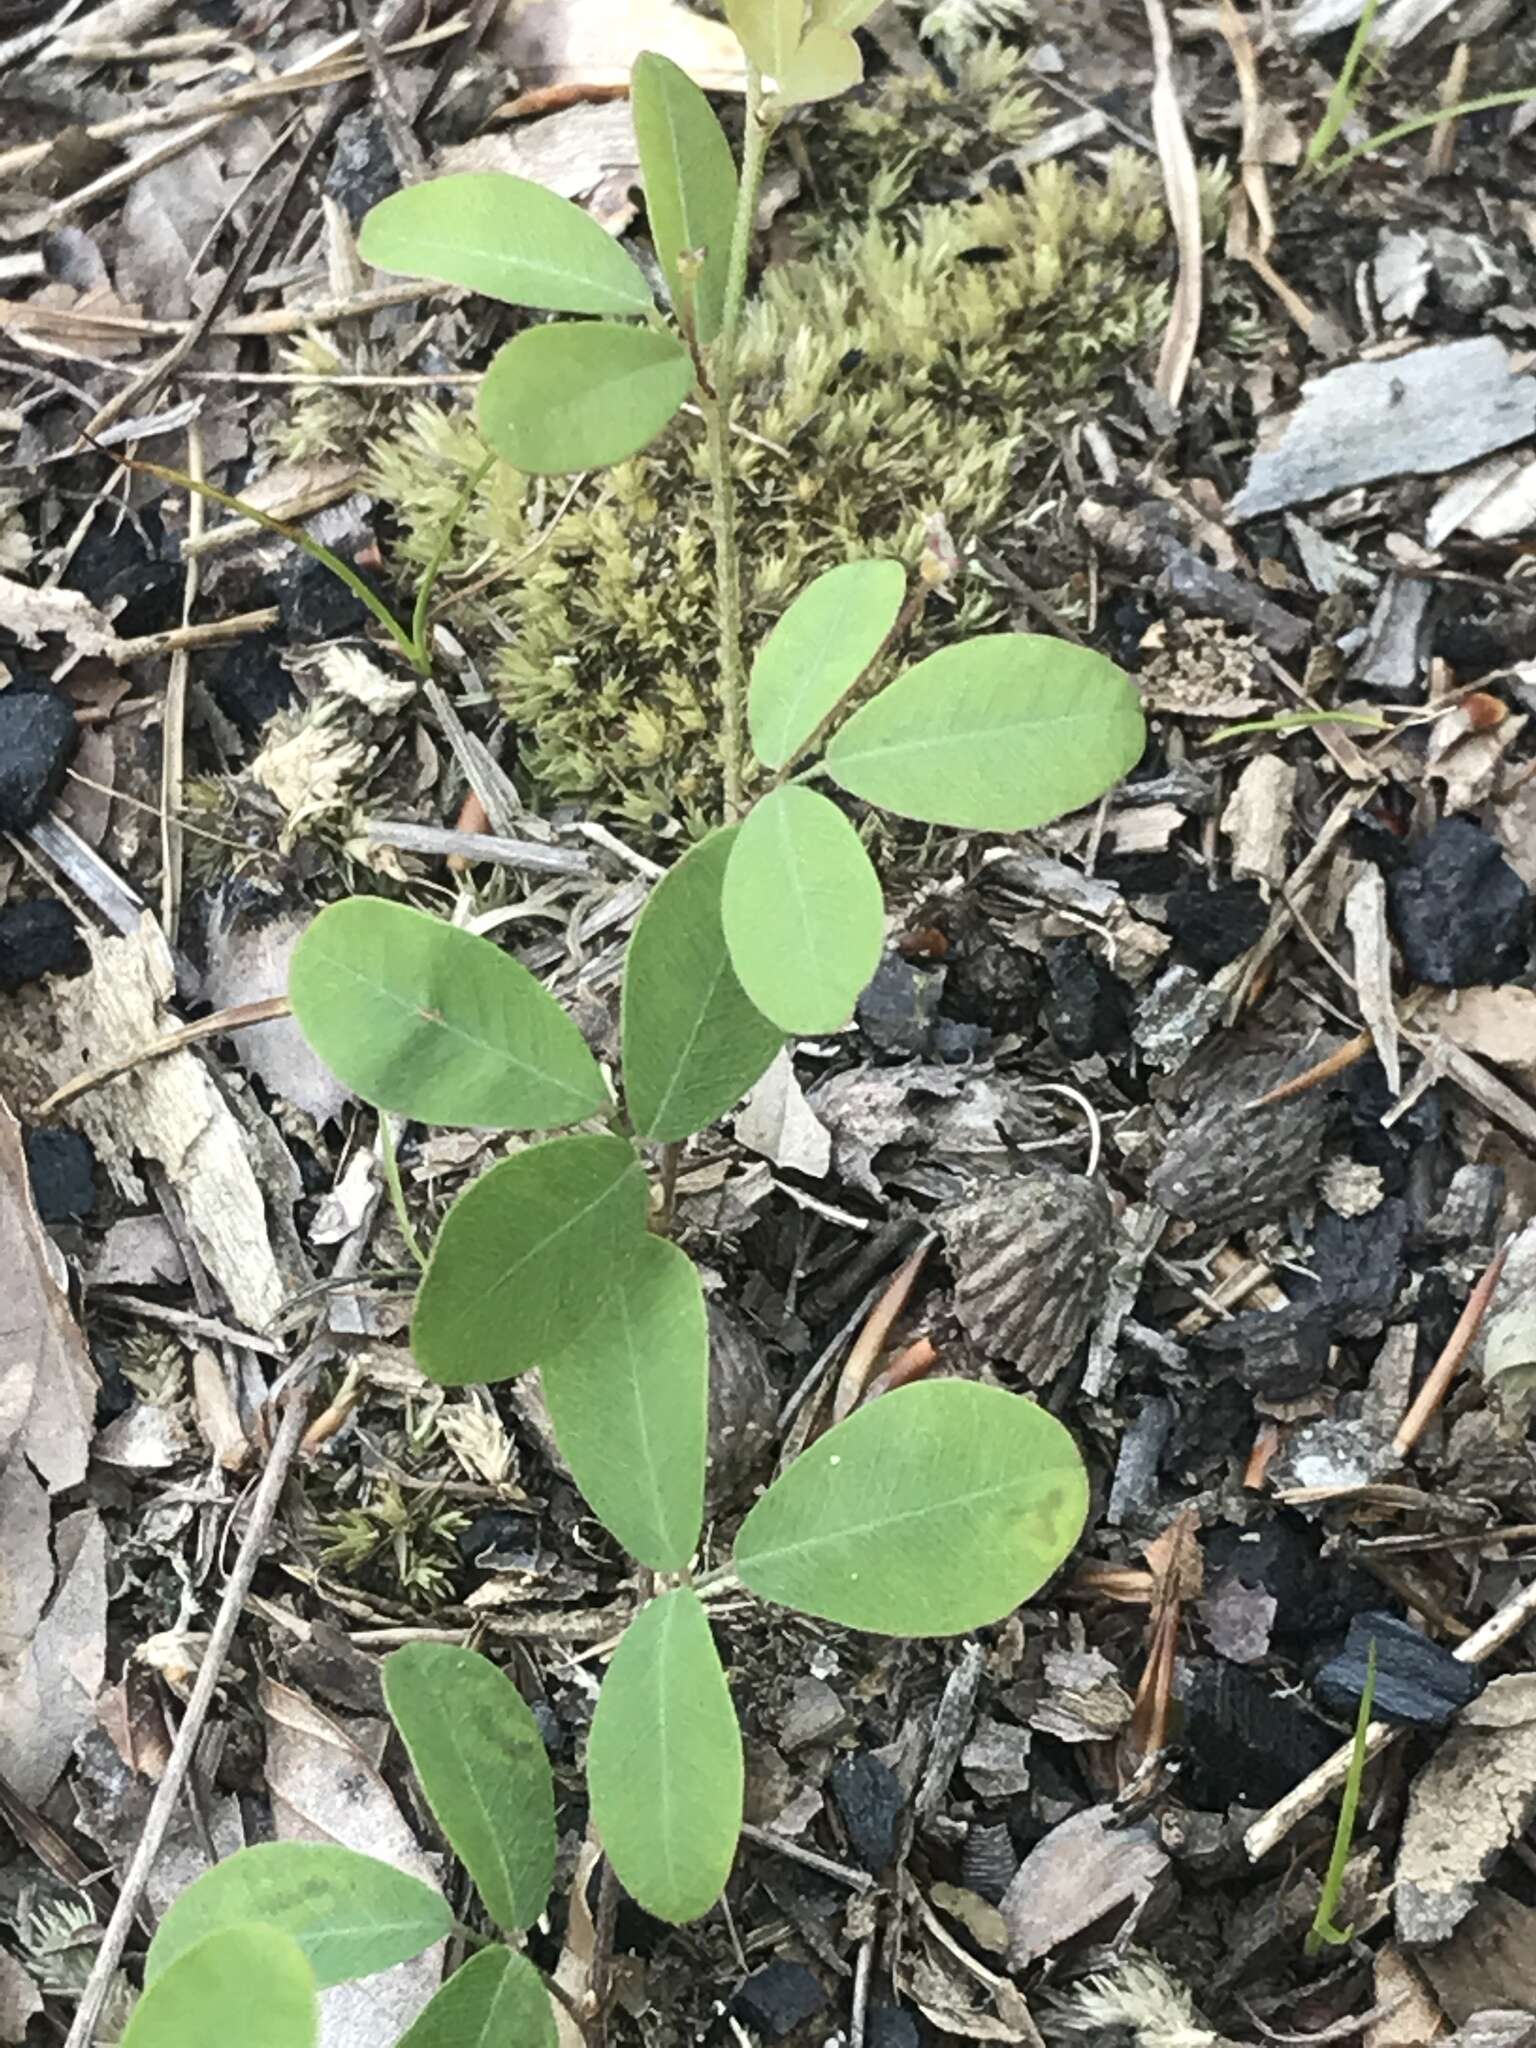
[934, 1511]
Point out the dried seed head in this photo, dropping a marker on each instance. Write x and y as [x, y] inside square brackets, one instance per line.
[1031, 1257]
[1228, 1163]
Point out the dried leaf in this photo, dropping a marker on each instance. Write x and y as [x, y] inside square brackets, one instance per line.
[32, 616]
[170, 1109]
[1082, 1871]
[48, 1692]
[47, 1385]
[326, 1788]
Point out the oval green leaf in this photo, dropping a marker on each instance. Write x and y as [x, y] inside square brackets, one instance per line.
[935, 1510]
[483, 1768]
[817, 652]
[690, 185]
[827, 63]
[664, 1762]
[1001, 733]
[525, 1258]
[497, 2000]
[245, 1984]
[630, 1406]
[580, 394]
[437, 1024]
[694, 1043]
[802, 910]
[351, 1915]
[507, 237]
[768, 30]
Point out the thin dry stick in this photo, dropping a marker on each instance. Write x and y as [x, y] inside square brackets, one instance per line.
[1446, 1366]
[174, 722]
[168, 1792]
[871, 1339]
[235, 1018]
[1273, 1827]
[1181, 183]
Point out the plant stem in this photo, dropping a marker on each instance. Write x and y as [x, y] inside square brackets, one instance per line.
[716, 406]
[392, 1181]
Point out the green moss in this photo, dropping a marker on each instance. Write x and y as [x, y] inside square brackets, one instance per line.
[908, 367]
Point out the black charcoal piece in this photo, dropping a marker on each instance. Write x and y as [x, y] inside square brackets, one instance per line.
[363, 169]
[1278, 1354]
[1086, 1009]
[870, 1804]
[1458, 910]
[1359, 1265]
[37, 738]
[1245, 1743]
[890, 2027]
[37, 939]
[897, 1010]
[778, 1999]
[1417, 1681]
[314, 603]
[1213, 927]
[62, 1168]
[250, 685]
[1315, 1597]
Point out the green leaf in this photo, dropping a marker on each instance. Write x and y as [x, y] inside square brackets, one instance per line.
[843, 14]
[508, 238]
[935, 1510]
[690, 184]
[817, 652]
[768, 30]
[525, 1259]
[664, 1765]
[483, 1768]
[998, 734]
[802, 910]
[693, 1041]
[497, 2000]
[827, 63]
[246, 1984]
[580, 394]
[419, 1017]
[351, 1915]
[630, 1406]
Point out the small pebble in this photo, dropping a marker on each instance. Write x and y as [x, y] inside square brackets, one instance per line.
[870, 1804]
[1458, 910]
[37, 939]
[62, 1169]
[37, 738]
[776, 2000]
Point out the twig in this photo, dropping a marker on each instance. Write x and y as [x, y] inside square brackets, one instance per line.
[236, 1018]
[1182, 186]
[1272, 1828]
[765, 1838]
[871, 1339]
[1446, 1366]
[862, 1970]
[480, 846]
[602, 1952]
[168, 1792]
[403, 146]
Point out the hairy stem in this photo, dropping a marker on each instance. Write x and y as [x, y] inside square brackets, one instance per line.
[717, 415]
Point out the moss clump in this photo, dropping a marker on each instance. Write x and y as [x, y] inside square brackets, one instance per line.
[905, 368]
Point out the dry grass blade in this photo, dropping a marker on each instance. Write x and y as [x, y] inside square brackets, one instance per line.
[237, 1018]
[870, 1341]
[1448, 1364]
[1182, 185]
